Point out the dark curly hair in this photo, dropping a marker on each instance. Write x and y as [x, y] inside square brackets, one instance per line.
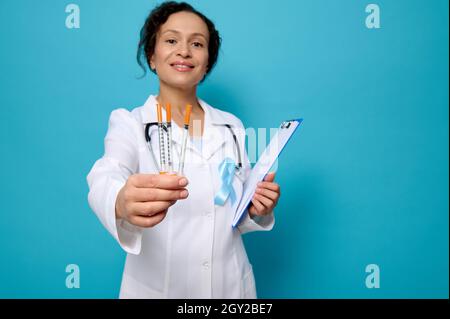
[159, 16]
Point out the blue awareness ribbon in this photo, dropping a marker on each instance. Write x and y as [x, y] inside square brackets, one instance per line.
[226, 172]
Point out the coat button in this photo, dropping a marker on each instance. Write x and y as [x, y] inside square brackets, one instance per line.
[206, 265]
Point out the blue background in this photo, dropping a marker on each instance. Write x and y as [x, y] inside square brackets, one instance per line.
[365, 181]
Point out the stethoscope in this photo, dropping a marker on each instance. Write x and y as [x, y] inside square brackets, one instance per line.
[148, 139]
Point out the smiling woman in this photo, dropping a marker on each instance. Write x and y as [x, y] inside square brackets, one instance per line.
[208, 38]
[181, 46]
[179, 238]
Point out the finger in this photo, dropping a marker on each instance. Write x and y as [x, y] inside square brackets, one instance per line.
[150, 208]
[155, 194]
[258, 206]
[268, 193]
[270, 185]
[148, 221]
[270, 177]
[267, 202]
[252, 210]
[163, 181]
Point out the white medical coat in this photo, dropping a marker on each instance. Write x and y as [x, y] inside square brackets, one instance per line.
[194, 252]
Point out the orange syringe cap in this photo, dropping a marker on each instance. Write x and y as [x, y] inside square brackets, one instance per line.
[168, 112]
[187, 114]
[159, 111]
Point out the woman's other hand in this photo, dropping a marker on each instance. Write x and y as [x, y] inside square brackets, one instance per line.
[266, 197]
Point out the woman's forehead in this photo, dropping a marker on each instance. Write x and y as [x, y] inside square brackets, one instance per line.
[185, 23]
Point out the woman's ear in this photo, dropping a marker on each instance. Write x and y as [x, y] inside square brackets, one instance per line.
[152, 64]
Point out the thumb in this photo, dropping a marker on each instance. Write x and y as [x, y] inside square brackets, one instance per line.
[270, 177]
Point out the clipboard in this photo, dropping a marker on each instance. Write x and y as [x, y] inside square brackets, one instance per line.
[265, 162]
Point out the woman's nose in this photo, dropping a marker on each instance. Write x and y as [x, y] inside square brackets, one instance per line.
[184, 50]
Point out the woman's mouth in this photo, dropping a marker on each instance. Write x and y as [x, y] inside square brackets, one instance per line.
[182, 66]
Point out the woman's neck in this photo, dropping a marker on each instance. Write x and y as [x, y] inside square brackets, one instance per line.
[178, 98]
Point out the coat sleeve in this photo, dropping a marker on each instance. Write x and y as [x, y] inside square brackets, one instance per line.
[257, 223]
[110, 173]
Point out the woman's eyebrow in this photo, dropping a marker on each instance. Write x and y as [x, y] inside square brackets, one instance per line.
[191, 35]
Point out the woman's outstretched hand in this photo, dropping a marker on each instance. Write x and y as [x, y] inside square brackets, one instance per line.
[266, 197]
[145, 198]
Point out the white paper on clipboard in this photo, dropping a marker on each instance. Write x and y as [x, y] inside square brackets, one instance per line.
[265, 162]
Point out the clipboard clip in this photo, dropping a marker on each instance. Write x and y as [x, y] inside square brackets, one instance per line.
[285, 124]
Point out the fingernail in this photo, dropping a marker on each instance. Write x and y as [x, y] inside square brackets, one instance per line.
[183, 182]
[184, 194]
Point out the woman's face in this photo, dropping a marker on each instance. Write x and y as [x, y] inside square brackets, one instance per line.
[181, 51]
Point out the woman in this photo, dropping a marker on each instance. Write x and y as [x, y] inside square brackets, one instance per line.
[178, 237]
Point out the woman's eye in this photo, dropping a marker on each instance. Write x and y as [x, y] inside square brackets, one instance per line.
[198, 44]
[171, 41]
